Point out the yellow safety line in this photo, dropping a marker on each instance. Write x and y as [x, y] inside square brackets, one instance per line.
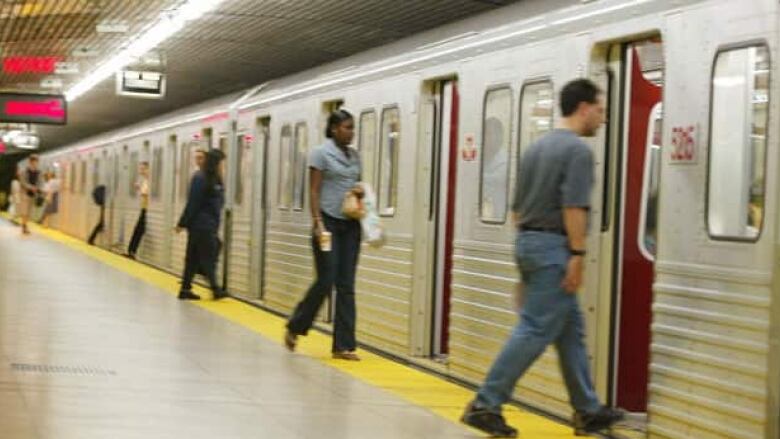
[438, 395]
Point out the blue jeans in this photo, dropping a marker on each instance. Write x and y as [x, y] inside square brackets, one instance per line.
[549, 315]
[334, 268]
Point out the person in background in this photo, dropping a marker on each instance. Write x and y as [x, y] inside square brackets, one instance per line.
[201, 219]
[334, 171]
[99, 197]
[51, 190]
[30, 180]
[200, 159]
[142, 188]
[15, 200]
[552, 199]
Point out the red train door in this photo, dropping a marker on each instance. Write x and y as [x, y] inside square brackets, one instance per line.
[445, 179]
[643, 64]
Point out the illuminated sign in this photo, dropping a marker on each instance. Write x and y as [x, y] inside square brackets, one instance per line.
[140, 84]
[17, 65]
[33, 108]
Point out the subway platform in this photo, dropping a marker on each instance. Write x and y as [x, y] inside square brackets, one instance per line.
[94, 345]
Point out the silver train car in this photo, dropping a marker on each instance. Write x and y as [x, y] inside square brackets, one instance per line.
[682, 300]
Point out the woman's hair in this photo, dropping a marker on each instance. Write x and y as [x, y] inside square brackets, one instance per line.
[211, 168]
[335, 119]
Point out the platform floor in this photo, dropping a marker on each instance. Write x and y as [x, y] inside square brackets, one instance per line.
[96, 346]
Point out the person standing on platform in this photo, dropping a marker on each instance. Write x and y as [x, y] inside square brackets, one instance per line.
[99, 197]
[201, 219]
[334, 171]
[52, 192]
[551, 205]
[30, 180]
[142, 189]
[16, 199]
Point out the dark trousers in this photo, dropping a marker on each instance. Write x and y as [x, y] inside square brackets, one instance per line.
[336, 267]
[98, 227]
[138, 233]
[202, 254]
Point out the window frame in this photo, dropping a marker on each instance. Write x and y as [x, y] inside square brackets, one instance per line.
[238, 175]
[720, 50]
[488, 90]
[155, 191]
[390, 212]
[296, 167]
[280, 189]
[366, 112]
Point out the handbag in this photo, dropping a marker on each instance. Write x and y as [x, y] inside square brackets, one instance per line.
[39, 200]
[352, 207]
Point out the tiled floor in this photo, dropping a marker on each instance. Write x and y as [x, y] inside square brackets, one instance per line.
[134, 363]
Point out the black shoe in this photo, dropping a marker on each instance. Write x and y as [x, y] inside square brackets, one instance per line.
[585, 423]
[491, 423]
[188, 295]
[219, 294]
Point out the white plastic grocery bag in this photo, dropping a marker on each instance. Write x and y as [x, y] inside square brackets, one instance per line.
[372, 229]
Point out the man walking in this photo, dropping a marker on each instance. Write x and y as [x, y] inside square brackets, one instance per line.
[552, 200]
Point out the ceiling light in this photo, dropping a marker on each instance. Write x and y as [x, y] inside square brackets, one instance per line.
[169, 23]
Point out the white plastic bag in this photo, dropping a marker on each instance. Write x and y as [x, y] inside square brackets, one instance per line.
[373, 233]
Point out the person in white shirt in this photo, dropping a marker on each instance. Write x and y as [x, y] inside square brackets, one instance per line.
[142, 188]
[51, 190]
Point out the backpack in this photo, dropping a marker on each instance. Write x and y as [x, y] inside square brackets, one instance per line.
[99, 195]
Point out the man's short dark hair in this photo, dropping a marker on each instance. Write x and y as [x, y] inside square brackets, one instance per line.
[576, 92]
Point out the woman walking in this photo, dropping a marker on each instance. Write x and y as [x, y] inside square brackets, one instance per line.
[201, 218]
[52, 192]
[334, 171]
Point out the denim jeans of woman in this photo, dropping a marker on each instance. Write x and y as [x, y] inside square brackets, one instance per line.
[334, 268]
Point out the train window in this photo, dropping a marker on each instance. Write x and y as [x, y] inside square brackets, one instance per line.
[157, 165]
[367, 145]
[83, 176]
[72, 172]
[388, 164]
[536, 113]
[738, 130]
[95, 173]
[184, 171]
[496, 132]
[285, 166]
[299, 172]
[238, 176]
[652, 176]
[133, 173]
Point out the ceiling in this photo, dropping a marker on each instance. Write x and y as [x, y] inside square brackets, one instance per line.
[238, 45]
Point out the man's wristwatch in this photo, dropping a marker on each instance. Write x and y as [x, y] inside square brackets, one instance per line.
[577, 252]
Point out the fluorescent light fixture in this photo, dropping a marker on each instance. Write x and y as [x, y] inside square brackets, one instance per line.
[169, 23]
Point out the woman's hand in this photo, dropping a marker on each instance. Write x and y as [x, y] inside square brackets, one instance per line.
[318, 228]
[358, 191]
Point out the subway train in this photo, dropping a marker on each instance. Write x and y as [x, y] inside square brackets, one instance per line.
[680, 298]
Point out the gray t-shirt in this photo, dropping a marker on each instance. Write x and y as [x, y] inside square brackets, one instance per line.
[555, 172]
[339, 175]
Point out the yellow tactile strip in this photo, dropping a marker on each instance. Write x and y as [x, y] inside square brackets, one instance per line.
[440, 396]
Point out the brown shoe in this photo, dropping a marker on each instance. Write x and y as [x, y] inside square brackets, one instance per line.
[290, 340]
[346, 355]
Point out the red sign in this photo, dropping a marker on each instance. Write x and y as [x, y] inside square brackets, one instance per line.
[18, 65]
[684, 144]
[33, 108]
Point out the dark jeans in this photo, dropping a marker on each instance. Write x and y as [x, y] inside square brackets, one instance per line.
[138, 233]
[98, 227]
[336, 267]
[202, 254]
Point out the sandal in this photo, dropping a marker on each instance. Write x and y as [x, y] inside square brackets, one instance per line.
[346, 355]
[290, 340]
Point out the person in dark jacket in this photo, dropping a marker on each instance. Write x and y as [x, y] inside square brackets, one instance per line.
[201, 218]
[99, 197]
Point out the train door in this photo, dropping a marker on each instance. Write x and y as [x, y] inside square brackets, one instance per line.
[259, 210]
[240, 231]
[168, 196]
[630, 213]
[435, 220]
